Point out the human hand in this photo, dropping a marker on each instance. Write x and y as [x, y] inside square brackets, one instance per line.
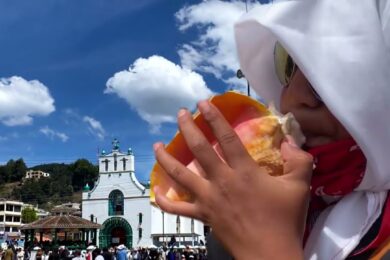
[254, 215]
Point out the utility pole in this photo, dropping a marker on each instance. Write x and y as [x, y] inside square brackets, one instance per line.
[163, 229]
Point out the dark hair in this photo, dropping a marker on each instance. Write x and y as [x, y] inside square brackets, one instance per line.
[95, 253]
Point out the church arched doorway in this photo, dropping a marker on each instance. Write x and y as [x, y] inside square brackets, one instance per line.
[116, 231]
[118, 236]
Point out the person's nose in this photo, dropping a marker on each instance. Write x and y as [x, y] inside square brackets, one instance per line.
[299, 94]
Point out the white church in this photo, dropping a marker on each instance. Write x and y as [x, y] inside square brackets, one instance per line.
[120, 203]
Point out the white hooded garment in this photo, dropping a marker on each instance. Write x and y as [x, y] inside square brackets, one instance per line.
[343, 49]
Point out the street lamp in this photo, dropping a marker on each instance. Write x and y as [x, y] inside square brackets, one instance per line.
[241, 75]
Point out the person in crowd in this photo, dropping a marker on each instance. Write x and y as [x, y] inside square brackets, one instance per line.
[63, 252]
[121, 253]
[152, 253]
[54, 255]
[171, 254]
[202, 255]
[90, 249]
[135, 254]
[111, 250]
[106, 254]
[46, 254]
[333, 76]
[27, 253]
[77, 255]
[96, 254]
[9, 253]
[39, 254]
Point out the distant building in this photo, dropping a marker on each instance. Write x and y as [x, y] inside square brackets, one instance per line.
[65, 209]
[121, 204]
[36, 174]
[10, 218]
[40, 212]
[72, 205]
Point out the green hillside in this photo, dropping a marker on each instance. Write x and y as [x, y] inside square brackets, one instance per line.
[64, 184]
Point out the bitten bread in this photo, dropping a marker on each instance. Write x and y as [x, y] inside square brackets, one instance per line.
[260, 129]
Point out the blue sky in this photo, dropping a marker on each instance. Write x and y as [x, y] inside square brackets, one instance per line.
[76, 74]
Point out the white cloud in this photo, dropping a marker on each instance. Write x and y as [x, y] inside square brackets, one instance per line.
[95, 127]
[71, 112]
[71, 117]
[8, 137]
[214, 50]
[156, 88]
[20, 100]
[53, 134]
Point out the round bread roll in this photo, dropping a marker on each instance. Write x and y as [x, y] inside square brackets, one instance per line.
[260, 129]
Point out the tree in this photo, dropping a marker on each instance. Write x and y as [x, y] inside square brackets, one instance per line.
[83, 172]
[13, 170]
[29, 215]
[8, 168]
[18, 171]
[3, 174]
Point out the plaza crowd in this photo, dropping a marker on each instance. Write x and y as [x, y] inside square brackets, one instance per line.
[120, 252]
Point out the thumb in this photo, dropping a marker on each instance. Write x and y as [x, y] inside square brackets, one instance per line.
[297, 163]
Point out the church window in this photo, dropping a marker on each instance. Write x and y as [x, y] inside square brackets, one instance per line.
[124, 163]
[106, 164]
[140, 218]
[139, 232]
[115, 162]
[116, 203]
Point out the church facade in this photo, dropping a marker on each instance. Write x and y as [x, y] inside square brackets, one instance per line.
[120, 203]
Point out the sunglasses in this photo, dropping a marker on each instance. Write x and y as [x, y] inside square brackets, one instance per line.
[285, 67]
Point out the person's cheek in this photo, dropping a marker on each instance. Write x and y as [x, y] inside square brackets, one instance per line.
[284, 108]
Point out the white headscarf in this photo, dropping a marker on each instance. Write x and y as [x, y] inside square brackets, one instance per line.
[343, 49]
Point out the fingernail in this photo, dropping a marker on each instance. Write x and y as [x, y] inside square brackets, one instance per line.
[182, 112]
[156, 146]
[204, 106]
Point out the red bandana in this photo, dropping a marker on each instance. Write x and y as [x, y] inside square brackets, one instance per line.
[339, 169]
